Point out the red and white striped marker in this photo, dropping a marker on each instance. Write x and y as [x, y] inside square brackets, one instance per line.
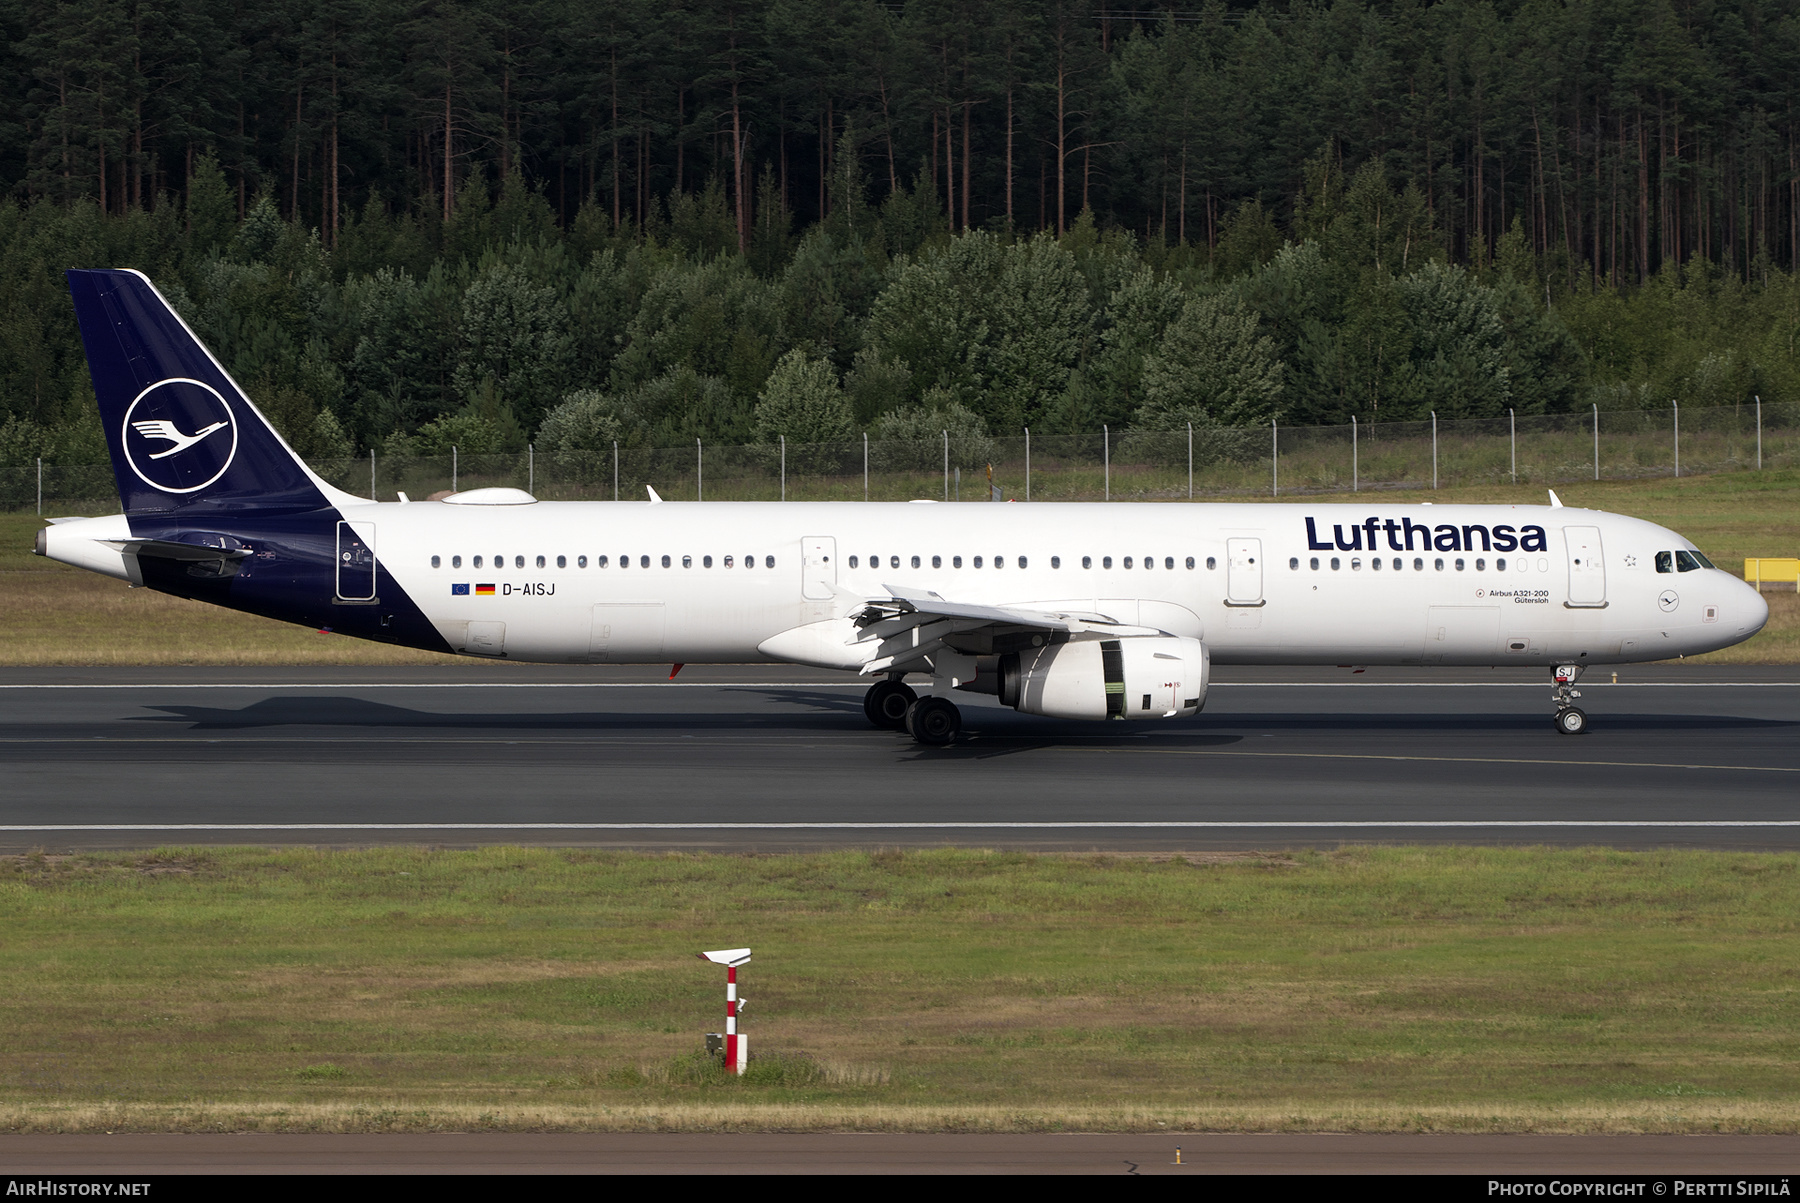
[737, 1045]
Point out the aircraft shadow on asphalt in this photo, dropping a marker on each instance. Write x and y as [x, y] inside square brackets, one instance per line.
[991, 731]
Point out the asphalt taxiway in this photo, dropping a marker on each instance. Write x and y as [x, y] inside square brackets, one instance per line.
[770, 757]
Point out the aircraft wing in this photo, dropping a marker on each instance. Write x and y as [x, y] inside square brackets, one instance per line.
[911, 625]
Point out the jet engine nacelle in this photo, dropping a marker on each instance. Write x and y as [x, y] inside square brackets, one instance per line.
[1146, 676]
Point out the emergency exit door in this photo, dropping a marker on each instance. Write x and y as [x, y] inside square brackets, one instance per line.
[818, 558]
[1243, 572]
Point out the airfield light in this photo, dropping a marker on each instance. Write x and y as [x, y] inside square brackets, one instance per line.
[737, 1046]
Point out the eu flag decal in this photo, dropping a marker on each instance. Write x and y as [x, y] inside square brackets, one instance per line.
[459, 591]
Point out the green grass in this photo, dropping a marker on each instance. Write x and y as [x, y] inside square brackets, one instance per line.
[62, 615]
[1371, 988]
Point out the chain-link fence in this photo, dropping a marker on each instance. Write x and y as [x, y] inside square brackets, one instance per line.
[1131, 465]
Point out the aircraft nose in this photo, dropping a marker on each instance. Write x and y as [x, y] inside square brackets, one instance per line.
[1752, 610]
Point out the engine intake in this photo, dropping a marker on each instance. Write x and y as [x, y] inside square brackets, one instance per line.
[1146, 676]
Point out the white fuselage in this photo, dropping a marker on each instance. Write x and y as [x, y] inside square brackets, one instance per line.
[715, 582]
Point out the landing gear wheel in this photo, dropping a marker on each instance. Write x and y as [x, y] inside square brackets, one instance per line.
[1572, 721]
[934, 721]
[886, 704]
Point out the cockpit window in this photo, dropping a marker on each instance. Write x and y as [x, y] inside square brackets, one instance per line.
[1665, 561]
[1690, 561]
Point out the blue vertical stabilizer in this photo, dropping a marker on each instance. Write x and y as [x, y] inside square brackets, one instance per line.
[183, 436]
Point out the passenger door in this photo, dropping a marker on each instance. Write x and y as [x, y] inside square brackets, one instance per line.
[356, 561]
[1587, 567]
[1243, 572]
[818, 557]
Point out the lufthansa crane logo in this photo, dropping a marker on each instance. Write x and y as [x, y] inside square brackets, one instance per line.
[179, 435]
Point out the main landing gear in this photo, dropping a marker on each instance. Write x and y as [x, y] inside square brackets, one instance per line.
[933, 721]
[1570, 718]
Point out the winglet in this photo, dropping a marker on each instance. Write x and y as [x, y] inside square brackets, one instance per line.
[654, 498]
[1555, 501]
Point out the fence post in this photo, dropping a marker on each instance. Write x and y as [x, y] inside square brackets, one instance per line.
[615, 469]
[40, 460]
[1759, 433]
[1596, 442]
[1106, 454]
[1677, 406]
[1190, 461]
[946, 465]
[1274, 459]
[1512, 436]
[1355, 466]
[783, 466]
[1434, 448]
[453, 467]
[865, 465]
[1028, 463]
[531, 467]
[372, 496]
[699, 471]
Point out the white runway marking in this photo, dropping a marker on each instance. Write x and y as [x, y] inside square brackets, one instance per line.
[861, 685]
[1205, 824]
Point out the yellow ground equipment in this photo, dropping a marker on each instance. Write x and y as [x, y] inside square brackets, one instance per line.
[1769, 573]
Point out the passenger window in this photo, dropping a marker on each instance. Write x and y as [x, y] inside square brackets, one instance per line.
[768, 561]
[1087, 561]
[1459, 564]
[644, 561]
[1439, 564]
[665, 561]
[706, 561]
[915, 561]
[956, 561]
[435, 562]
[540, 561]
[1023, 563]
[1106, 561]
[999, 561]
[852, 561]
[562, 561]
[456, 561]
[687, 561]
[1127, 561]
[937, 561]
[1056, 561]
[1190, 563]
[976, 561]
[1398, 564]
[1149, 563]
[1480, 565]
[1212, 563]
[1375, 563]
[519, 561]
[893, 562]
[728, 561]
[1500, 565]
[1169, 563]
[749, 561]
[1315, 564]
[1335, 564]
[1294, 563]
[1418, 565]
[599, 561]
[1665, 561]
[1685, 562]
[477, 561]
[581, 561]
[1356, 563]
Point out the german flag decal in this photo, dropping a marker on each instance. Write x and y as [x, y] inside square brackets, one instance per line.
[484, 591]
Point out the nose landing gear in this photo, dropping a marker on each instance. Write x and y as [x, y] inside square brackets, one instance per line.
[1570, 718]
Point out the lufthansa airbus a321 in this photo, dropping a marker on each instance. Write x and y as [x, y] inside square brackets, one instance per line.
[1090, 611]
